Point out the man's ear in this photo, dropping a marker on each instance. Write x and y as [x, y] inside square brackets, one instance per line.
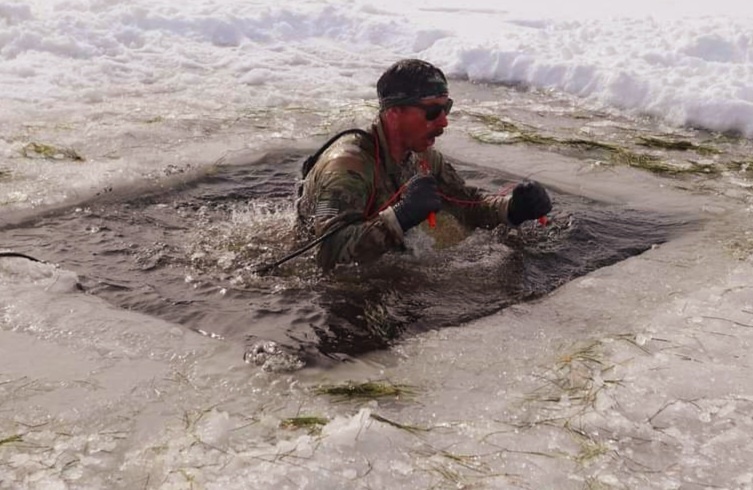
[392, 115]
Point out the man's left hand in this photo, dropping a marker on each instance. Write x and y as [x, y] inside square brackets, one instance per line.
[529, 201]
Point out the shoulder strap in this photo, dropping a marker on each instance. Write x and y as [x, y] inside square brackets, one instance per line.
[309, 163]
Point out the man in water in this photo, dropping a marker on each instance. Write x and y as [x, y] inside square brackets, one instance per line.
[369, 188]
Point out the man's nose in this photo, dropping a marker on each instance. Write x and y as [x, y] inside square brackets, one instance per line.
[442, 121]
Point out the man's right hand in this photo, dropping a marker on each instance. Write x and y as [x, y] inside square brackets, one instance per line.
[529, 201]
[420, 198]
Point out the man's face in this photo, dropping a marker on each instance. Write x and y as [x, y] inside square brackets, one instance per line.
[417, 130]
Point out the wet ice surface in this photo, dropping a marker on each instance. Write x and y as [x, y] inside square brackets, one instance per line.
[632, 376]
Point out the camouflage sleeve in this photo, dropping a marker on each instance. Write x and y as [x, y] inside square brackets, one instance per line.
[342, 194]
[468, 204]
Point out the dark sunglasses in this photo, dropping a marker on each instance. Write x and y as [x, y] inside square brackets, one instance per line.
[432, 111]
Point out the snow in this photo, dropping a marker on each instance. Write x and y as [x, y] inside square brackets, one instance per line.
[688, 63]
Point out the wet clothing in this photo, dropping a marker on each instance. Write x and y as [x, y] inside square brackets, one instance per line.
[356, 181]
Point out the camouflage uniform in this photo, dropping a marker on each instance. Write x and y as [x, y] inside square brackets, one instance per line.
[345, 180]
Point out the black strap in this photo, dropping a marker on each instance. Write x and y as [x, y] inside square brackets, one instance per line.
[263, 269]
[20, 255]
[309, 163]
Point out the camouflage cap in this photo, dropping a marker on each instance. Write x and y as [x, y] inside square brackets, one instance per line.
[408, 81]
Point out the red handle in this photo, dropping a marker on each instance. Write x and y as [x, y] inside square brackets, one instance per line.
[543, 220]
[432, 219]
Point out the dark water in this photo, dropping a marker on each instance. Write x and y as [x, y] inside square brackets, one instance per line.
[186, 252]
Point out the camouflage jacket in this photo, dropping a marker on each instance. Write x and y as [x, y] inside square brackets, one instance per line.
[347, 184]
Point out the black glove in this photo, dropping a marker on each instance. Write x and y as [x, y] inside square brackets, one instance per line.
[529, 201]
[420, 198]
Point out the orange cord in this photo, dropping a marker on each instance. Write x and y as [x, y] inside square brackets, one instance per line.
[432, 218]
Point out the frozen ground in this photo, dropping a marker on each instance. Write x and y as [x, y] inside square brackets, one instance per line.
[634, 376]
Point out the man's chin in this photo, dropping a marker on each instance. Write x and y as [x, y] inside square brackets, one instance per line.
[425, 144]
[430, 142]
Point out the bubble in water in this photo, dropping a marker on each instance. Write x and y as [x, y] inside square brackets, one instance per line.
[270, 357]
